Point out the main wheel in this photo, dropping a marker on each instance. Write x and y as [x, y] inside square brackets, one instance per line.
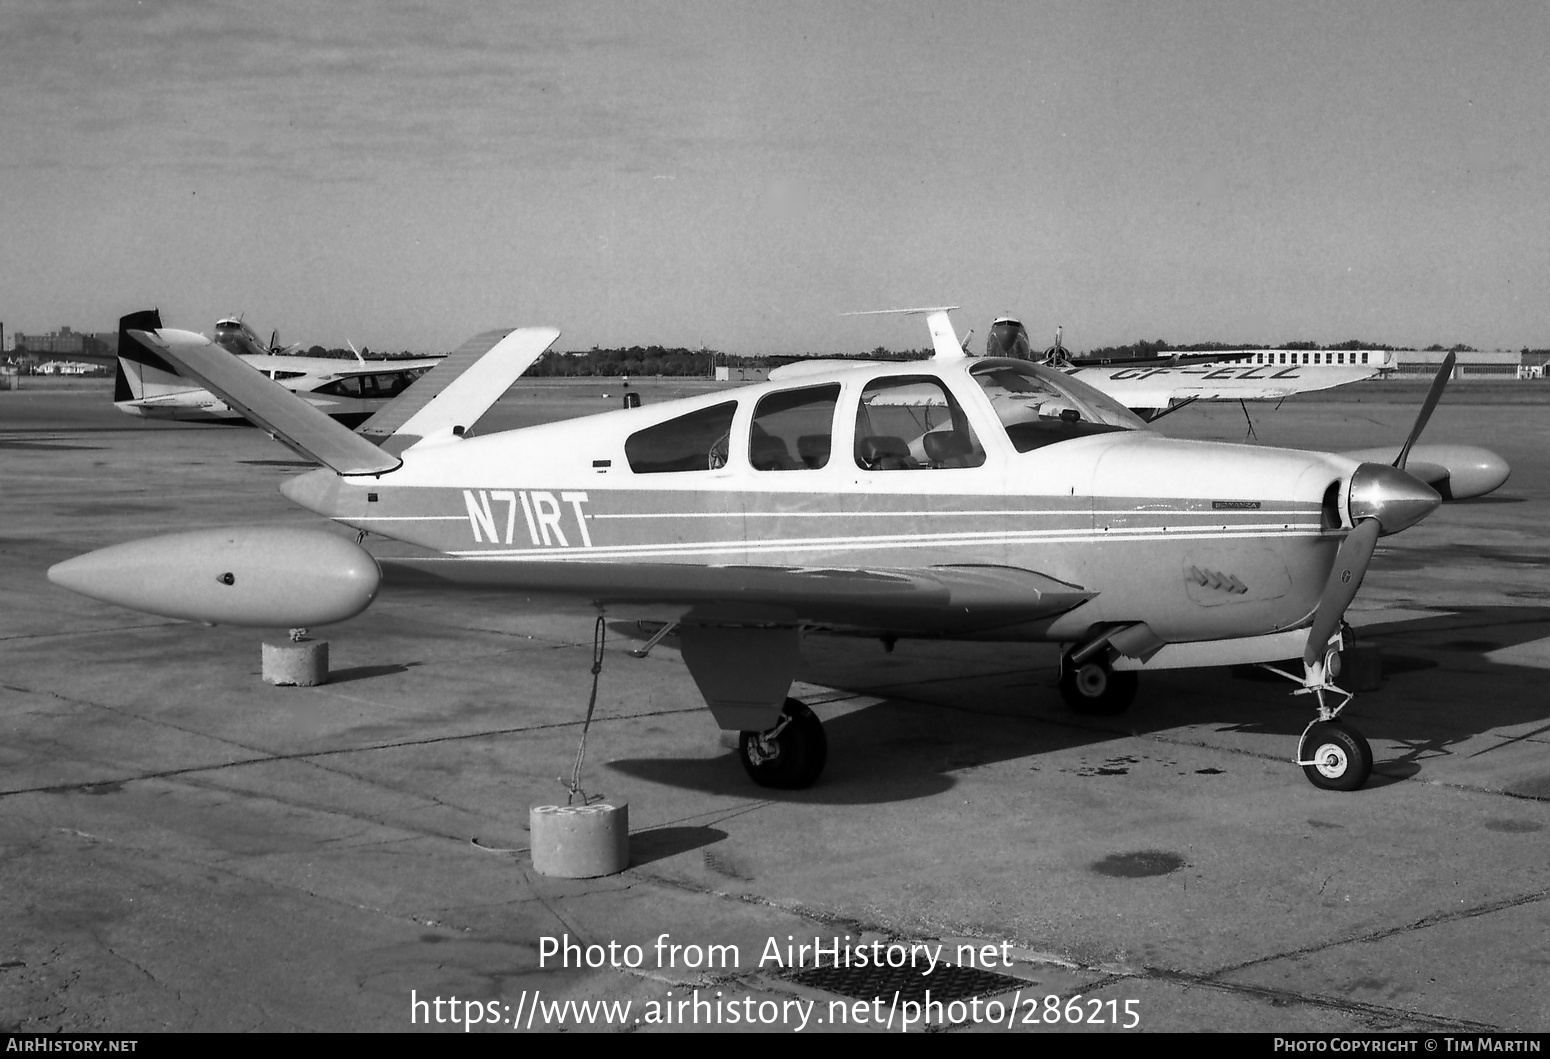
[1096, 690]
[1341, 759]
[789, 756]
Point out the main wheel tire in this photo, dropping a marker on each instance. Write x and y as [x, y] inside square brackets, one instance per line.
[794, 758]
[1342, 758]
[1095, 690]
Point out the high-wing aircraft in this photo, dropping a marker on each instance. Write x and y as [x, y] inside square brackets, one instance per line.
[148, 385]
[1153, 386]
[963, 497]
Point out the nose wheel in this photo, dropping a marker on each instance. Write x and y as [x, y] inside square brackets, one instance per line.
[1095, 689]
[789, 756]
[1334, 756]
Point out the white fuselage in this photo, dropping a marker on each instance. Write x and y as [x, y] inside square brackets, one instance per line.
[1203, 541]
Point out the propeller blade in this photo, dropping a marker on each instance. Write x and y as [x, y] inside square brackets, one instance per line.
[1443, 373]
[1344, 579]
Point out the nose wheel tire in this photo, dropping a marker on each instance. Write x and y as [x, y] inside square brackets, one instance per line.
[1334, 757]
[789, 756]
[1096, 690]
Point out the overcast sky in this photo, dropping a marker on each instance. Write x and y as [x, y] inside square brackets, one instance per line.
[737, 175]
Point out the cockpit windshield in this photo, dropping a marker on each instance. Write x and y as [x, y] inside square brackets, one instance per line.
[1039, 406]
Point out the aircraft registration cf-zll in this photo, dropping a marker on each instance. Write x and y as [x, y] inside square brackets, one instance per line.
[349, 391]
[1156, 385]
[1153, 386]
[964, 497]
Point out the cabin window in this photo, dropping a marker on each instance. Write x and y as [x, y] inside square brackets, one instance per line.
[911, 423]
[794, 429]
[696, 441]
[1364, 358]
[390, 385]
[346, 387]
[1038, 408]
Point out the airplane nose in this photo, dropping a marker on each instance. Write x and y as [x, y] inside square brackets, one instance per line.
[1387, 494]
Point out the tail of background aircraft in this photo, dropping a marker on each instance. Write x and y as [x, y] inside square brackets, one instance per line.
[134, 357]
[451, 397]
[266, 403]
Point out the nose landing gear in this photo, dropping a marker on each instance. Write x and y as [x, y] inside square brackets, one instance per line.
[1334, 757]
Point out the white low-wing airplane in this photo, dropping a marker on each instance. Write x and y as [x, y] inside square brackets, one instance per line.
[147, 385]
[980, 498]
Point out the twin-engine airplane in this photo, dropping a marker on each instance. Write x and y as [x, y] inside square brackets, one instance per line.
[961, 497]
[148, 385]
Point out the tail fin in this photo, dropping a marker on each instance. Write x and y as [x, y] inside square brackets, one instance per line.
[456, 392]
[304, 428]
[129, 385]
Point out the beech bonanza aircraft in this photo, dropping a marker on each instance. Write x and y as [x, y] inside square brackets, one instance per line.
[964, 497]
[147, 385]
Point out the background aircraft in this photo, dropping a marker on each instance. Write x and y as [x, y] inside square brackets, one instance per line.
[350, 391]
[232, 334]
[1039, 510]
[1154, 386]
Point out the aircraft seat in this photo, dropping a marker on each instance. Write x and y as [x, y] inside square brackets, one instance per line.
[948, 448]
[814, 449]
[769, 453]
[882, 452]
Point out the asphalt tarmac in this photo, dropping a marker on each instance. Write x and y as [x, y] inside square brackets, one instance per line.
[184, 847]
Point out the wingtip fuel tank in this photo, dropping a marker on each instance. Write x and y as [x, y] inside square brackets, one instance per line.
[265, 576]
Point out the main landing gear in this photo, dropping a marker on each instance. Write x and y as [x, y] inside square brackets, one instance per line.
[789, 756]
[1094, 689]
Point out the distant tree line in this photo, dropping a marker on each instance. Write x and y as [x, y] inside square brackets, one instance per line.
[345, 354]
[635, 360]
[661, 360]
[1153, 348]
[676, 360]
[1143, 349]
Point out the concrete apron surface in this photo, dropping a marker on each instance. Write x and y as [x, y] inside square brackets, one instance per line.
[183, 846]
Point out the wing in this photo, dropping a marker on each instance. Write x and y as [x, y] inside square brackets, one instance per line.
[456, 392]
[935, 601]
[1159, 387]
[265, 402]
